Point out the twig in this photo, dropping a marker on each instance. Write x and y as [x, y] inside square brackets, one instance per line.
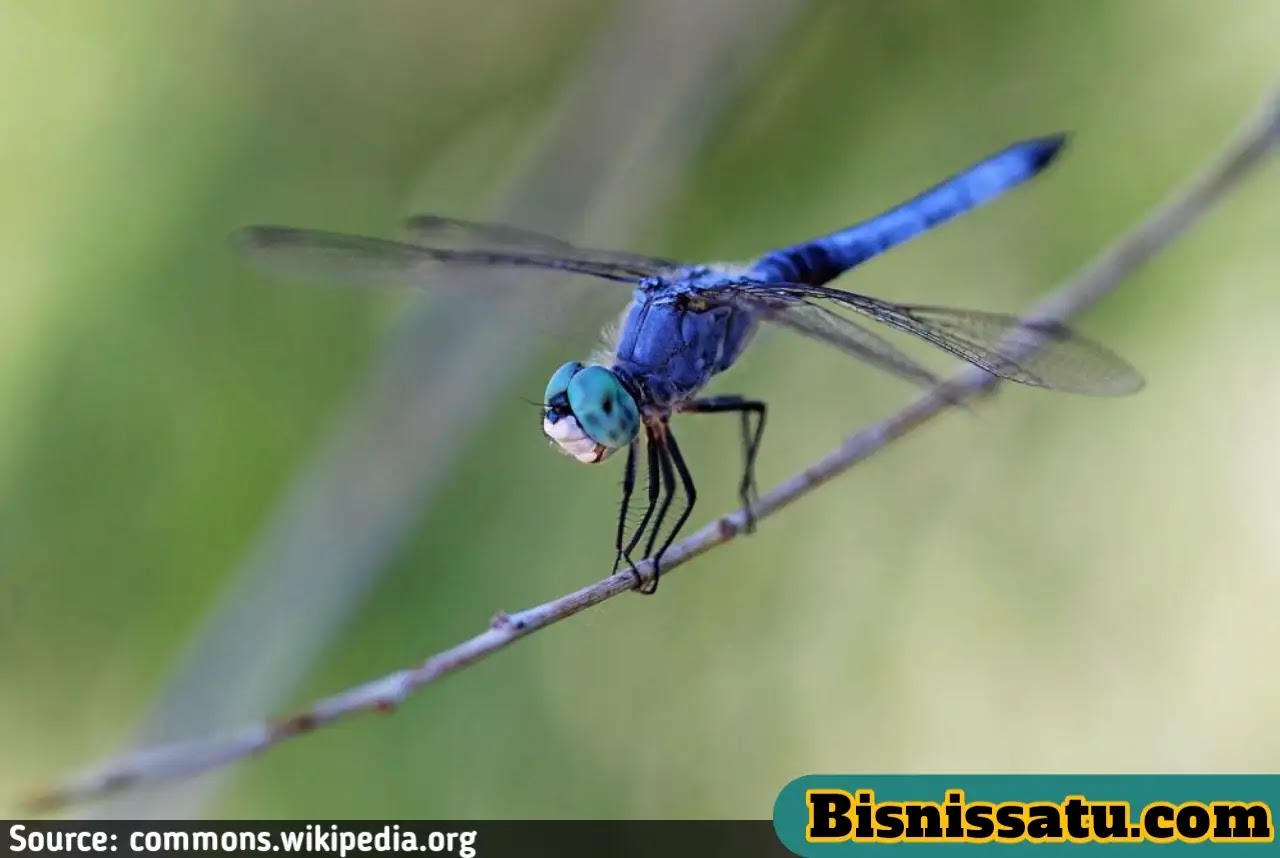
[184, 759]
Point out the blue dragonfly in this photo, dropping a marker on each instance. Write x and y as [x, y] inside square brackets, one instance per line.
[688, 322]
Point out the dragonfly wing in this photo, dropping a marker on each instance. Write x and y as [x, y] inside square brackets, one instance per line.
[1038, 353]
[318, 255]
[845, 334]
[444, 232]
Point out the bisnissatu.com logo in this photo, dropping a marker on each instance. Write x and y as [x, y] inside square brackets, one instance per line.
[835, 815]
[815, 813]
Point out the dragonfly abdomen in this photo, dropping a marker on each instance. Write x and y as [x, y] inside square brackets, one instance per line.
[822, 259]
[814, 263]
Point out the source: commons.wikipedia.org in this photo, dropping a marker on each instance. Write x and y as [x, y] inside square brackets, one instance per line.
[310, 838]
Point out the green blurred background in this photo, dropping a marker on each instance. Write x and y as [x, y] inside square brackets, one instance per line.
[222, 495]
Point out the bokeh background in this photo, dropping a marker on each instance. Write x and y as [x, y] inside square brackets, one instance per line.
[222, 495]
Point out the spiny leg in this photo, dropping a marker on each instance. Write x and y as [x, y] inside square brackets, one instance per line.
[628, 486]
[658, 443]
[690, 495]
[652, 453]
[747, 490]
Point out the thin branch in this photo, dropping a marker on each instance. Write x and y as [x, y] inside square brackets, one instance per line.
[1163, 226]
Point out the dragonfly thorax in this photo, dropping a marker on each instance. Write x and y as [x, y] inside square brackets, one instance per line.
[590, 414]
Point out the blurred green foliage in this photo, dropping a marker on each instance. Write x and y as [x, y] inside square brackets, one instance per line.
[1053, 584]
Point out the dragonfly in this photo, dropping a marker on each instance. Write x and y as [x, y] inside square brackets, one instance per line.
[687, 323]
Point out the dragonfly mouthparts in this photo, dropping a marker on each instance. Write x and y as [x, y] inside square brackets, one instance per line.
[565, 432]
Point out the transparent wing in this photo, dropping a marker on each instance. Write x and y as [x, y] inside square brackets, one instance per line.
[313, 254]
[1042, 354]
[848, 336]
[441, 232]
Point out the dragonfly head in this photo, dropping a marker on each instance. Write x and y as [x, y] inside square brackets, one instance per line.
[590, 413]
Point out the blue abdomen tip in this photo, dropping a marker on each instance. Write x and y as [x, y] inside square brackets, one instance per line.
[1042, 150]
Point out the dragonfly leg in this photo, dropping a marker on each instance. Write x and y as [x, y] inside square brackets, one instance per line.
[628, 486]
[751, 437]
[658, 442]
[690, 498]
[625, 552]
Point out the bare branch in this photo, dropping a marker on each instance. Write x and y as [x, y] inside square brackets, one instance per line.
[1163, 226]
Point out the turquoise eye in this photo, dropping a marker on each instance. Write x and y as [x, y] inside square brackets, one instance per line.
[605, 411]
[558, 386]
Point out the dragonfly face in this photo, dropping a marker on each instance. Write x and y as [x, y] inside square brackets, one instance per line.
[590, 414]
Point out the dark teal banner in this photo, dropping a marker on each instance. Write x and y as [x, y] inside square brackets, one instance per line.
[828, 815]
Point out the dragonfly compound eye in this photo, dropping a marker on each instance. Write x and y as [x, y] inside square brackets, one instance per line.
[558, 386]
[589, 413]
